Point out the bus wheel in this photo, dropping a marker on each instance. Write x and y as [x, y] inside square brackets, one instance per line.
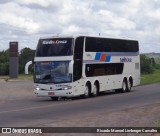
[54, 98]
[129, 85]
[95, 90]
[87, 91]
[124, 86]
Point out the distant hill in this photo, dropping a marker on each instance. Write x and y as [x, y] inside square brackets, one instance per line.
[156, 56]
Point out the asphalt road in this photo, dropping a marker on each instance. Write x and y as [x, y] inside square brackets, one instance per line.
[28, 110]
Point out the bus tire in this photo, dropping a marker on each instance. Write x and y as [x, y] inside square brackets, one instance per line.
[95, 90]
[124, 86]
[129, 86]
[54, 98]
[87, 91]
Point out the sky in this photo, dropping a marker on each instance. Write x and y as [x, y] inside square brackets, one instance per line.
[26, 21]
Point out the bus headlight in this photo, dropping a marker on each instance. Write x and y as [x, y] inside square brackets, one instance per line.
[65, 88]
[37, 88]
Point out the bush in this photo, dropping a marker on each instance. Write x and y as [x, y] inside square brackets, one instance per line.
[157, 66]
[146, 64]
[4, 68]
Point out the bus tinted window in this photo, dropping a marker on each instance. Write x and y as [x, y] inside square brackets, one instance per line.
[78, 57]
[110, 45]
[103, 69]
[54, 47]
[79, 45]
[94, 45]
[78, 48]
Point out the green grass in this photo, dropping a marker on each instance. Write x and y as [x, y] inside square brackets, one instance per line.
[26, 77]
[21, 77]
[151, 78]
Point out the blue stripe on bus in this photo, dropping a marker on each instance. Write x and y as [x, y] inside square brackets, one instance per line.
[108, 58]
[97, 57]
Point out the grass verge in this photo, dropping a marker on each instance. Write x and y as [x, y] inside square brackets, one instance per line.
[150, 78]
[20, 77]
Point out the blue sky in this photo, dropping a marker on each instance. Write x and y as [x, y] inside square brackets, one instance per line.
[27, 20]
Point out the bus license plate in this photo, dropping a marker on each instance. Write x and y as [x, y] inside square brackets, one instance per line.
[50, 93]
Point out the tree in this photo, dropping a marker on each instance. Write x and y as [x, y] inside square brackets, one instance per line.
[146, 64]
[26, 54]
[4, 62]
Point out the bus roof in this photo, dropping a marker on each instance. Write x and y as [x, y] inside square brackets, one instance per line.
[75, 36]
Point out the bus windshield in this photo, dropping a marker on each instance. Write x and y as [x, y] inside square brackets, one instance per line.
[54, 47]
[52, 72]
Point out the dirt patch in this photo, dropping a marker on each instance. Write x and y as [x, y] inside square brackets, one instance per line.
[147, 116]
[15, 89]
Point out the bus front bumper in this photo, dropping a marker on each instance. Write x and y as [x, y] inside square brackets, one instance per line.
[59, 93]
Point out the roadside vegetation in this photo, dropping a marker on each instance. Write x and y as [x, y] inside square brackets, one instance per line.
[151, 78]
[150, 66]
[25, 55]
[150, 70]
[20, 77]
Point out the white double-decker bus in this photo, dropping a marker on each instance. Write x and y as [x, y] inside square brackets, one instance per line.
[70, 66]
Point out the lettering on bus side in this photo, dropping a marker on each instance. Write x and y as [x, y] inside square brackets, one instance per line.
[125, 59]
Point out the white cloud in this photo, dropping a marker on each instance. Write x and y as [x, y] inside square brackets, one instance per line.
[26, 20]
[14, 17]
[74, 29]
[43, 3]
[20, 22]
[115, 21]
[154, 15]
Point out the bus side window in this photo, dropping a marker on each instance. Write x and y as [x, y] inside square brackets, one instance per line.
[78, 57]
[77, 71]
[108, 71]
